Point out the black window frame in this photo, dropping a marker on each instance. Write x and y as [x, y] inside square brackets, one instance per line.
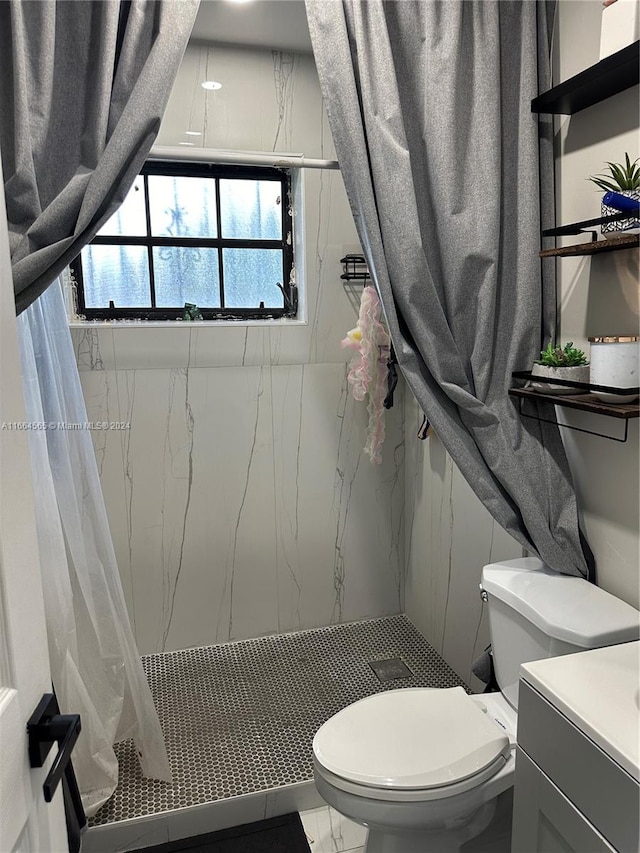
[214, 172]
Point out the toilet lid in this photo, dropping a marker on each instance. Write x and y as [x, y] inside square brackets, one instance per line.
[410, 738]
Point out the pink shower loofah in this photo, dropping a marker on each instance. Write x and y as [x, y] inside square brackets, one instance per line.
[368, 368]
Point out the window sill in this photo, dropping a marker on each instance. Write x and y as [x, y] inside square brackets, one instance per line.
[181, 324]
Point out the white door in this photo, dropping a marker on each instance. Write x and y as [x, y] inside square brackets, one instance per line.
[27, 823]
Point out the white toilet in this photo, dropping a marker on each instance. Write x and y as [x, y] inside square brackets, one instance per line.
[422, 767]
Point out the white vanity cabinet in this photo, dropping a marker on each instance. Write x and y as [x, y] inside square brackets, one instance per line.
[577, 784]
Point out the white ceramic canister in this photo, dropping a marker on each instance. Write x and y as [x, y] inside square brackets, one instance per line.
[620, 26]
[615, 361]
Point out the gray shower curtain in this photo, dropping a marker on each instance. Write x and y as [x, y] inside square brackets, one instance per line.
[429, 106]
[83, 87]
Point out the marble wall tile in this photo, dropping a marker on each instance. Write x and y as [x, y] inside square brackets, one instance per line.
[199, 496]
[94, 347]
[213, 817]
[126, 835]
[269, 101]
[216, 114]
[235, 502]
[241, 503]
[340, 554]
[100, 390]
[292, 798]
[330, 832]
[230, 346]
[139, 347]
[155, 469]
[450, 537]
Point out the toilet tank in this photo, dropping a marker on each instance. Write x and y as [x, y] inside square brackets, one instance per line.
[536, 613]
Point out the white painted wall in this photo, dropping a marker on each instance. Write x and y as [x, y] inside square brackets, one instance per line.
[240, 501]
[599, 295]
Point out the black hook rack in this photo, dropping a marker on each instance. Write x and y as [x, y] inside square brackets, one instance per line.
[355, 268]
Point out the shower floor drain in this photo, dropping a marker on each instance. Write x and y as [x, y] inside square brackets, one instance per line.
[390, 669]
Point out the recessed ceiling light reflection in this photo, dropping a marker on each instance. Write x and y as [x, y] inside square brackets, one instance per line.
[211, 84]
[187, 143]
[193, 133]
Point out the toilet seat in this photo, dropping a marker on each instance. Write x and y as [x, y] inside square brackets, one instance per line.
[412, 743]
[498, 769]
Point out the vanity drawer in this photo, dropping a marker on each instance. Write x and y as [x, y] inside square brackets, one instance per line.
[545, 821]
[594, 783]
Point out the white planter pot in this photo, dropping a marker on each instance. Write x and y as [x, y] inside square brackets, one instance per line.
[615, 361]
[573, 374]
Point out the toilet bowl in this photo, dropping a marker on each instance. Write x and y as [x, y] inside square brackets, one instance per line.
[420, 767]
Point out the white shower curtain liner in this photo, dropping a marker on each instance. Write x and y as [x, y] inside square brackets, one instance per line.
[96, 668]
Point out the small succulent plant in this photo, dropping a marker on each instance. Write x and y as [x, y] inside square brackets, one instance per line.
[624, 176]
[567, 356]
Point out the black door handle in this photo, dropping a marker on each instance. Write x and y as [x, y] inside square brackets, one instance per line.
[45, 727]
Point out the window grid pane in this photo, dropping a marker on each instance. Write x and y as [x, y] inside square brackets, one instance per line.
[139, 275]
[130, 219]
[183, 274]
[251, 210]
[116, 273]
[182, 207]
[250, 277]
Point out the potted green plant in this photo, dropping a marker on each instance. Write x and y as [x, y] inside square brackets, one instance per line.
[557, 362]
[623, 178]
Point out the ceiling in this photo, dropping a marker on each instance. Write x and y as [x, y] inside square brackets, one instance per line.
[277, 24]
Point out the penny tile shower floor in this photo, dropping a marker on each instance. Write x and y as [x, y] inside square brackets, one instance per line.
[240, 717]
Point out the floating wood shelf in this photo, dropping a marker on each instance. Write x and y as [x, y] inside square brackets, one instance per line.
[594, 247]
[611, 75]
[583, 402]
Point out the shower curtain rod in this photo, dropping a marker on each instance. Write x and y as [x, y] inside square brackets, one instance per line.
[240, 158]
